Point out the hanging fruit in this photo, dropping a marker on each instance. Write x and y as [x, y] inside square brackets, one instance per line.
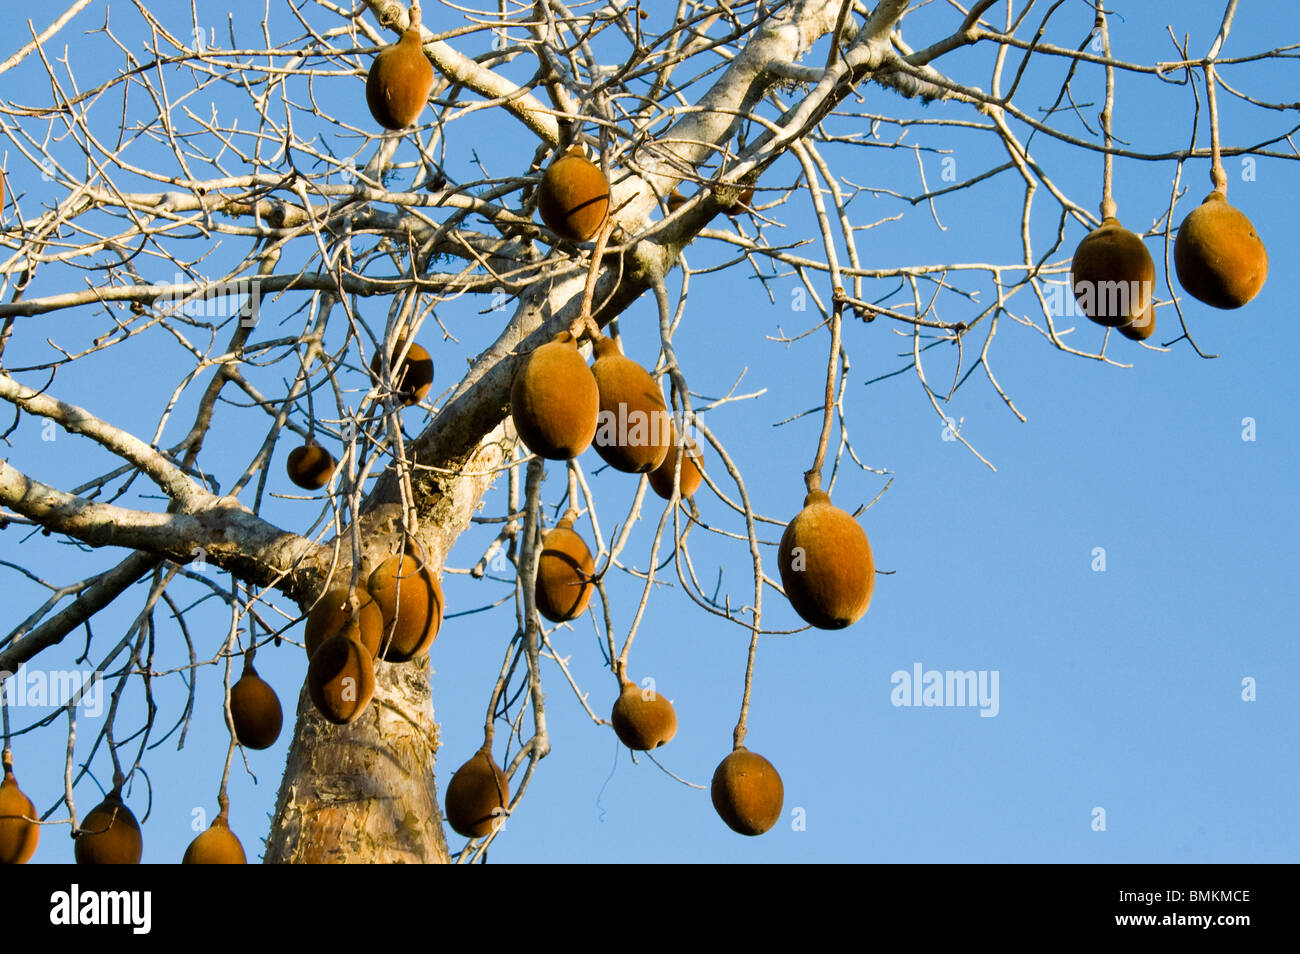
[573, 198]
[747, 792]
[109, 835]
[1113, 275]
[310, 466]
[19, 831]
[643, 719]
[216, 846]
[564, 573]
[1219, 258]
[341, 679]
[826, 565]
[411, 382]
[400, 79]
[255, 710]
[634, 428]
[1143, 329]
[554, 401]
[351, 612]
[410, 599]
[661, 478]
[477, 796]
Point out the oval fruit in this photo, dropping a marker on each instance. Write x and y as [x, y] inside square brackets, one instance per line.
[341, 679]
[411, 382]
[399, 81]
[1143, 329]
[826, 565]
[255, 711]
[360, 619]
[109, 835]
[643, 719]
[477, 796]
[633, 429]
[554, 401]
[564, 572]
[19, 832]
[1219, 258]
[310, 466]
[216, 846]
[573, 198]
[742, 203]
[661, 478]
[1113, 275]
[410, 598]
[747, 792]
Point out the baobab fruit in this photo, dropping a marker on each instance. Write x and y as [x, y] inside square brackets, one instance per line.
[826, 565]
[19, 832]
[554, 401]
[574, 196]
[633, 429]
[675, 200]
[661, 478]
[109, 835]
[255, 711]
[410, 600]
[1113, 275]
[310, 466]
[216, 846]
[564, 572]
[477, 796]
[643, 719]
[399, 81]
[352, 612]
[411, 382]
[1142, 329]
[1217, 255]
[742, 203]
[341, 679]
[747, 792]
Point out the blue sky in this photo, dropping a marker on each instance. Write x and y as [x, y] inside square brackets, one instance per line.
[1119, 689]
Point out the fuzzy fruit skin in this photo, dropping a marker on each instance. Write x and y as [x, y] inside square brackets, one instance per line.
[477, 796]
[640, 723]
[1141, 330]
[747, 792]
[331, 616]
[310, 466]
[573, 198]
[1219, 258]
[18, 836]
[634, 429]
[216, 846]
[110, 835]
[1110, 256]
[564, 572]
[412, 381]
[554, 400]
[414, 621]
[399, 81]
[661, 478]
[830, 585]
[341, 679]
[255, 710]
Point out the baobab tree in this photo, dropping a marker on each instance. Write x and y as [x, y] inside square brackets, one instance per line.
[202, 207]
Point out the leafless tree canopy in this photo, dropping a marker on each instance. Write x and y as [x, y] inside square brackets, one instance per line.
[205, 207]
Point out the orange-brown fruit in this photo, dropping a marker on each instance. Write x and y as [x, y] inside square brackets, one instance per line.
[310, 466]
[675, 200]
[341, 679]
[255, 710]
[1113, 276]
[411, 382]
[216, 846]
[109, 835]
[742, 203]
[826, 565]
[353, 613]
[643, 719]
[564, 572]
[633, 429]
[399, 81]
[1217, 255]
[19, 832]
[747, 792]
[574, 196]
[477, 796]
[1142, 329]
[554, 401]
[661, 478]
[410, 599]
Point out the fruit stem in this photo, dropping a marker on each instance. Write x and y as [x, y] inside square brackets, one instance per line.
[812, 477]
[1108, 207]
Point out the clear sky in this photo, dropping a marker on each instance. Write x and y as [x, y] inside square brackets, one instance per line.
[1119, 689]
